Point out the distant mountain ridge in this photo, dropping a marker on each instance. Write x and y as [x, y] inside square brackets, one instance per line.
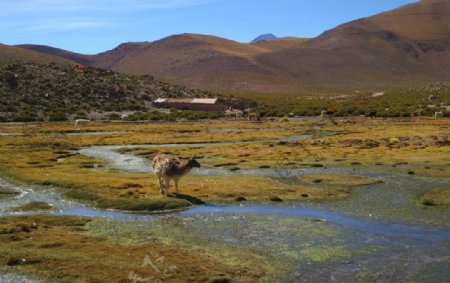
[405, 47]
[10, 53]
[79, 58]
[264, 37]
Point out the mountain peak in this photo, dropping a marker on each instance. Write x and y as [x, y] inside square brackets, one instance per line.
[264, 37]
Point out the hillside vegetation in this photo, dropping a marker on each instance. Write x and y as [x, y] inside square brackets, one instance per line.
[30, 91]
[423, 101]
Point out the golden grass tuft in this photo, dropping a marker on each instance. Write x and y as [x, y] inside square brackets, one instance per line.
[437, 197]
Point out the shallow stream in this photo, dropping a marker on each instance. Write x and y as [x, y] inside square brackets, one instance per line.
[321, 241]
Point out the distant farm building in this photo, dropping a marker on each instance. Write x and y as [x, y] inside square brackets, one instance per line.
[203, 104]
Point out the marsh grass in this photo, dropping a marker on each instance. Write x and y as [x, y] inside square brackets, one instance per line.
[45, 155]
[59, 247]
[62, 248]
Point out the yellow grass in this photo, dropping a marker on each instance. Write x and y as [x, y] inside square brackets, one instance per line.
[403, 146]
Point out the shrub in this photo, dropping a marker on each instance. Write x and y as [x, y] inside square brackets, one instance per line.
[114, 116]
[59, 116]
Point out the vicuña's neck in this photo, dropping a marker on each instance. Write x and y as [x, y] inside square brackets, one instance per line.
[184, 167]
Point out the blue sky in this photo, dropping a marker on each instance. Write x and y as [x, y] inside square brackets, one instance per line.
[92, 26]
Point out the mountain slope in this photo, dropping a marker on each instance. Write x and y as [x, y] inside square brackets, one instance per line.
[398, 48]
[11, 53]
[281, 43]
[75, 57]
[198, 61]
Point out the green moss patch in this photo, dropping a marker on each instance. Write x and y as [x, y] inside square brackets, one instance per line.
[325, 253]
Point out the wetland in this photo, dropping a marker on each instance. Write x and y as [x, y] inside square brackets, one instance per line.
[344, 200]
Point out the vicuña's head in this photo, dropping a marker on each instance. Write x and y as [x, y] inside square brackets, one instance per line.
[193, 163]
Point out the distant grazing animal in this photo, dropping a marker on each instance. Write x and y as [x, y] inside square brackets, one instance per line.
[416, 113]
[262, 115]
[254, 117]
[80, 122]
[168, 167]
[438, 114]
[373, 114]
[326, 113]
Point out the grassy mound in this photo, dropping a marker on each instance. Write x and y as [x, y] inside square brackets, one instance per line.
[437, 197]
[6, 193]
[156, 203]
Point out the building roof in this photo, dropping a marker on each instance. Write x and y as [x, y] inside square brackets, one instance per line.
[187, 100]
[179, 100]
[204, 100]
[160, 100]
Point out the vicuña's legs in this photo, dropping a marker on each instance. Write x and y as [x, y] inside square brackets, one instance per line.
[167, 183]
[161, 185]
[176, 185]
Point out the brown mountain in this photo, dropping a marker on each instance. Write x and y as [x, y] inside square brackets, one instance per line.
[403, 47]
[199, 61]
[281, 43]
